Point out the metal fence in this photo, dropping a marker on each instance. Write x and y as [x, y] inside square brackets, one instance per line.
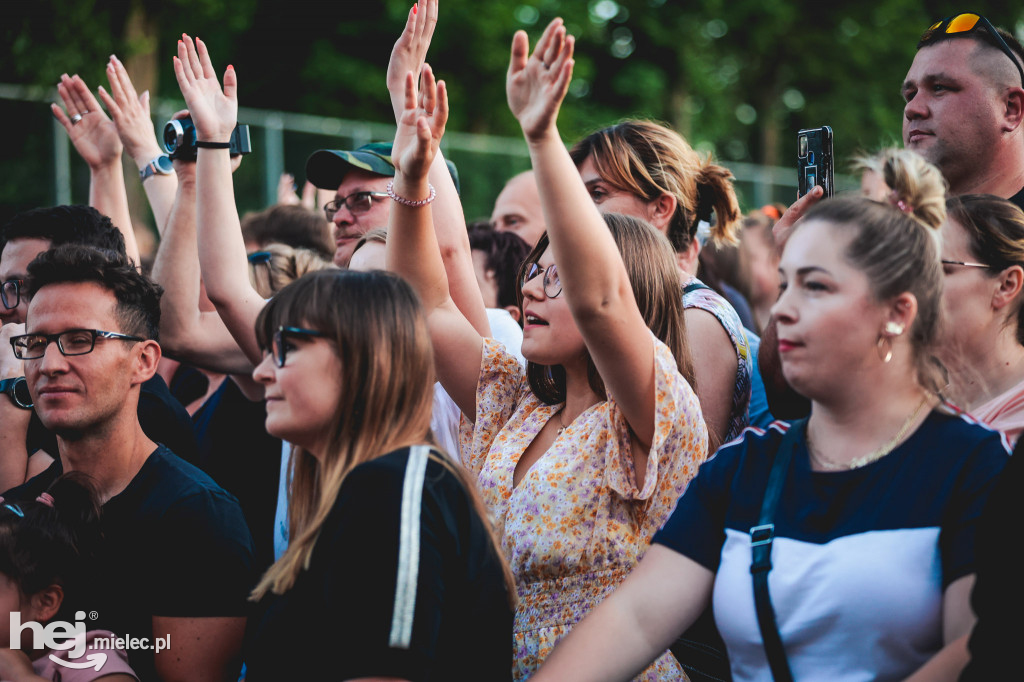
[41, 168]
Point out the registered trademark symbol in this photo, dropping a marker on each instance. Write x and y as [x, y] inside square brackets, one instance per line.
[93, 615]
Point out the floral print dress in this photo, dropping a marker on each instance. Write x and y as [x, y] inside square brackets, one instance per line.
[577, 523]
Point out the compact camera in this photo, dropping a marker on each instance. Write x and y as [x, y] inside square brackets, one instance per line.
[180, 139]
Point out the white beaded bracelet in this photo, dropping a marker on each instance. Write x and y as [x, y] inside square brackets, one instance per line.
[409, 202]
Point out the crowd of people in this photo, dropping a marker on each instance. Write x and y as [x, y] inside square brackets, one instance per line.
[618, 430]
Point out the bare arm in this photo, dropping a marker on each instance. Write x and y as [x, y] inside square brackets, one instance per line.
[95, 138]
[659, 600]
[412, 249]
[131, 116]
[594, 279]
[201, 649]
[408, 56]
[222, 257]
[187, 333]
[957, 621]
[715, 373]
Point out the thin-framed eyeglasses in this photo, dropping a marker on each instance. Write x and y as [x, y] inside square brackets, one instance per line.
[11, 291]
[552, 284]
[965, 264]
[70, 342]
[356, 203]
[965, 23]
[279, 347]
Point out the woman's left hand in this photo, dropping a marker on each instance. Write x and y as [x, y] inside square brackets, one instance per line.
[536, 85]
[420, 127]
[214, 111]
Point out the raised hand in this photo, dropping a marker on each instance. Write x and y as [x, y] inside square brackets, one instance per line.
[90, 129]
[537, 83]
[420, 126]
[410, 50]
[131, 114]
[214, 111]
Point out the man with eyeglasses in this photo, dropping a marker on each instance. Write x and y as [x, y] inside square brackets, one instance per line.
[177, 556]
[964, 108]
[360, 179]
[23, 238]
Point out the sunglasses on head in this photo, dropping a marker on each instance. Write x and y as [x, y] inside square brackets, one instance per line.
[966, 23]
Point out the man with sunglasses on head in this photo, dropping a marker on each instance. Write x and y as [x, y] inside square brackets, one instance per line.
[964, 108]
[361, 203]
[176, 562]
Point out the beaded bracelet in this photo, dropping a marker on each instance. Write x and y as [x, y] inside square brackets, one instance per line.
[409, 202]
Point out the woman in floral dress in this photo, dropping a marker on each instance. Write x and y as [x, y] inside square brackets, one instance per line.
[581, 456]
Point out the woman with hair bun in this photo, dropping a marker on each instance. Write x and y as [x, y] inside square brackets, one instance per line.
[983, 309]
[868, 548]
[644, 169]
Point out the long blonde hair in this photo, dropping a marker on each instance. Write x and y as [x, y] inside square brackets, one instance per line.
[379, 331]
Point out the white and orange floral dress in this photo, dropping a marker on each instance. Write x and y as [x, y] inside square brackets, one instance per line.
[577, 523]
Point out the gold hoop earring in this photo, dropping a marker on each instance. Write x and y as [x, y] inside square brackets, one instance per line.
[885, 348]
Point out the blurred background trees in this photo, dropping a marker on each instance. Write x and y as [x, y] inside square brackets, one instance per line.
[736, 77]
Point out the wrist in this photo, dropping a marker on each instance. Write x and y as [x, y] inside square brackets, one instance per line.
[146, 154]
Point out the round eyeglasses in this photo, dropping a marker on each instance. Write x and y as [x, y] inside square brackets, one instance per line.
[552, 284]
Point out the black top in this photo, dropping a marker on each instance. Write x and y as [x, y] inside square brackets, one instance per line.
[162, 417]
[238, 453]
[1018, 198]
[175, 545]
[998, 596]
[349, 614]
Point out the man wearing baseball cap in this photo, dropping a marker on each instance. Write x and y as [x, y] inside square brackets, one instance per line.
[360, 204]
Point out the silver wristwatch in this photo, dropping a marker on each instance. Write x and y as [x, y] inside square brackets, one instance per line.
[161, 165]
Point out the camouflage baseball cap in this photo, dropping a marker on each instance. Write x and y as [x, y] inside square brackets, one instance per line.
[326, 168]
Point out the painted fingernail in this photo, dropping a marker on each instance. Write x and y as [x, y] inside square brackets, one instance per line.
[231, 67]
[414, 9]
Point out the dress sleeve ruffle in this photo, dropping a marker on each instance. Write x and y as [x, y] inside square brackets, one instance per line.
[680, 442]
[500, 388]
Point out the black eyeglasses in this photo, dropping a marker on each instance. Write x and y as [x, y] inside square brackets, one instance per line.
[279, 349]
[70, 342]
[965, 23]
[552, 284]
[966, 264]
[357, 202]
[11, 291]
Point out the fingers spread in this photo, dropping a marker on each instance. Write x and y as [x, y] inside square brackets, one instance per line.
[410, 92]
[110, 103]
[547, 37]
[429, 90]
[61, 117]
[204, 60]
[441, 116]
[230, 82]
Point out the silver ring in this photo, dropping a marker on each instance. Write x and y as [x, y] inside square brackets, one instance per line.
[76, 118]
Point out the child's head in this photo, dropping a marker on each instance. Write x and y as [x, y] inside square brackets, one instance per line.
[45, 551]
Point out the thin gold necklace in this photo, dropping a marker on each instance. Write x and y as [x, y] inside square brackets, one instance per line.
[873, 456]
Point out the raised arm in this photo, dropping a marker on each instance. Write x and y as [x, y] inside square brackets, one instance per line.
[412, 249]
[95, 138]
[187, 333]
[130, 112]
[408, 56]
[222, 259]
[594, 279]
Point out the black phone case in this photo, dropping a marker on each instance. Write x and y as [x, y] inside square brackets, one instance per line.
[814, 159]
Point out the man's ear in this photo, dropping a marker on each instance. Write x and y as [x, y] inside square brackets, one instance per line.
[516, 313]
[45, 603]
[1013, 115]
[149, 355]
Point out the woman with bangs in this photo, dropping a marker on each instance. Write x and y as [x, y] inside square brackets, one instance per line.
[392, 570]
[580, 456]
[643, 169]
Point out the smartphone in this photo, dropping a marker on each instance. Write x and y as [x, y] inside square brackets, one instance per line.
[814, 160]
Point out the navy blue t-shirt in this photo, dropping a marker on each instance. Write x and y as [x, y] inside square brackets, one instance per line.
[861, 558]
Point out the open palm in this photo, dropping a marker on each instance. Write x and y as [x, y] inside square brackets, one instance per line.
[214, 110]
[421, 125]
[536, 85]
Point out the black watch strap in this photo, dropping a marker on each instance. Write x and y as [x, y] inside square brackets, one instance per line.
[17, 390]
